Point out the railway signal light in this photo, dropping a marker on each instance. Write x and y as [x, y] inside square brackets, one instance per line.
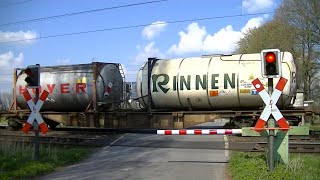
[33, 76]
[271, 63]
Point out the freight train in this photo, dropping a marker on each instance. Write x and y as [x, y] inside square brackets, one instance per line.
[172, 93]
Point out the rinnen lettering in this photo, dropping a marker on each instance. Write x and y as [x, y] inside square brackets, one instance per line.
[185, 82]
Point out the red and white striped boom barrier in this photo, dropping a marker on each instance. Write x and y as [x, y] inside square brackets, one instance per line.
[271, 107]
[200, 132]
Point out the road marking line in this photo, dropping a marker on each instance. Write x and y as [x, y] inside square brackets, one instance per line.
[114, 142]
[226, 145]
[117, 140]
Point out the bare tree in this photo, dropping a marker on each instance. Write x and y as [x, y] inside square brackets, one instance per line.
[295, 27]
[272, 34]
[5, 100]
[304, 17]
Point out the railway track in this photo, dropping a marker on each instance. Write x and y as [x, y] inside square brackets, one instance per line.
[60, 138]
[294, 146]
[100, 137]
[297, 144]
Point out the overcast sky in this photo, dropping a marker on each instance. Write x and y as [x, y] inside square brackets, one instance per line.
[129, 46]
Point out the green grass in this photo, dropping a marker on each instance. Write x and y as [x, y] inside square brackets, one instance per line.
[315, 127]
[253, 166]
[17, 161]
[3, 120]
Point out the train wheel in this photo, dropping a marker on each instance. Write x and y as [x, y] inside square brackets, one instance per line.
[51, 124]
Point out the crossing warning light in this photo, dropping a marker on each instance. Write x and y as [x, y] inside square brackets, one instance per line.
[33, 76]
[271, 63]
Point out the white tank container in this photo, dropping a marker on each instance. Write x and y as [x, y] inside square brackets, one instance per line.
[211, 82]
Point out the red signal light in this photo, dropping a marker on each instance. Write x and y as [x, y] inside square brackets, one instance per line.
[270, 57]
[270, 63]
[28, 71]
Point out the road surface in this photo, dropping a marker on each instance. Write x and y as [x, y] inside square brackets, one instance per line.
[145, 156]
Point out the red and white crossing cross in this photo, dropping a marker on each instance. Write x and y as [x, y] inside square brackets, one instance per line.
[35, 115]
[271, 107]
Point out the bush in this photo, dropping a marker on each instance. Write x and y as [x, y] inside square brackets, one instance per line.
[18, 159]
[253, 166]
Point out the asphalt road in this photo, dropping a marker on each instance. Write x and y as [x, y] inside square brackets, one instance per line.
[145, 156]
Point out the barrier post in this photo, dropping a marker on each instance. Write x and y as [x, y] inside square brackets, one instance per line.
[271, 125]
[281, 141]
[36, 133]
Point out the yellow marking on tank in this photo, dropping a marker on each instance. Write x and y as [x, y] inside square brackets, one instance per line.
[84, 80]
[251, 77]
[244, 90]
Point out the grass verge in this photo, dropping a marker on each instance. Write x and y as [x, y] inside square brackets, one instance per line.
[16, 160]
[315, 127]
[3, 121]
[253, 166]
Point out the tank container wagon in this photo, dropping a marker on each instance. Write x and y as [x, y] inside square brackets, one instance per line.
[171, 93]
[76, 93]
[216, 85]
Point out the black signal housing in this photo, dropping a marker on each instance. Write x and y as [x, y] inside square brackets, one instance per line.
[33, 76]
[270, 63]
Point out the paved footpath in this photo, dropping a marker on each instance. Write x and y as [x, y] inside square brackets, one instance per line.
[145, 156]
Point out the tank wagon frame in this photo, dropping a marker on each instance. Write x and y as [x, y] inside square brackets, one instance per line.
[122, 115]
[153, 119]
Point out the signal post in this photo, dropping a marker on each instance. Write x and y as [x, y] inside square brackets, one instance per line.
[278, 137]
[271, 67]
[33, 81]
